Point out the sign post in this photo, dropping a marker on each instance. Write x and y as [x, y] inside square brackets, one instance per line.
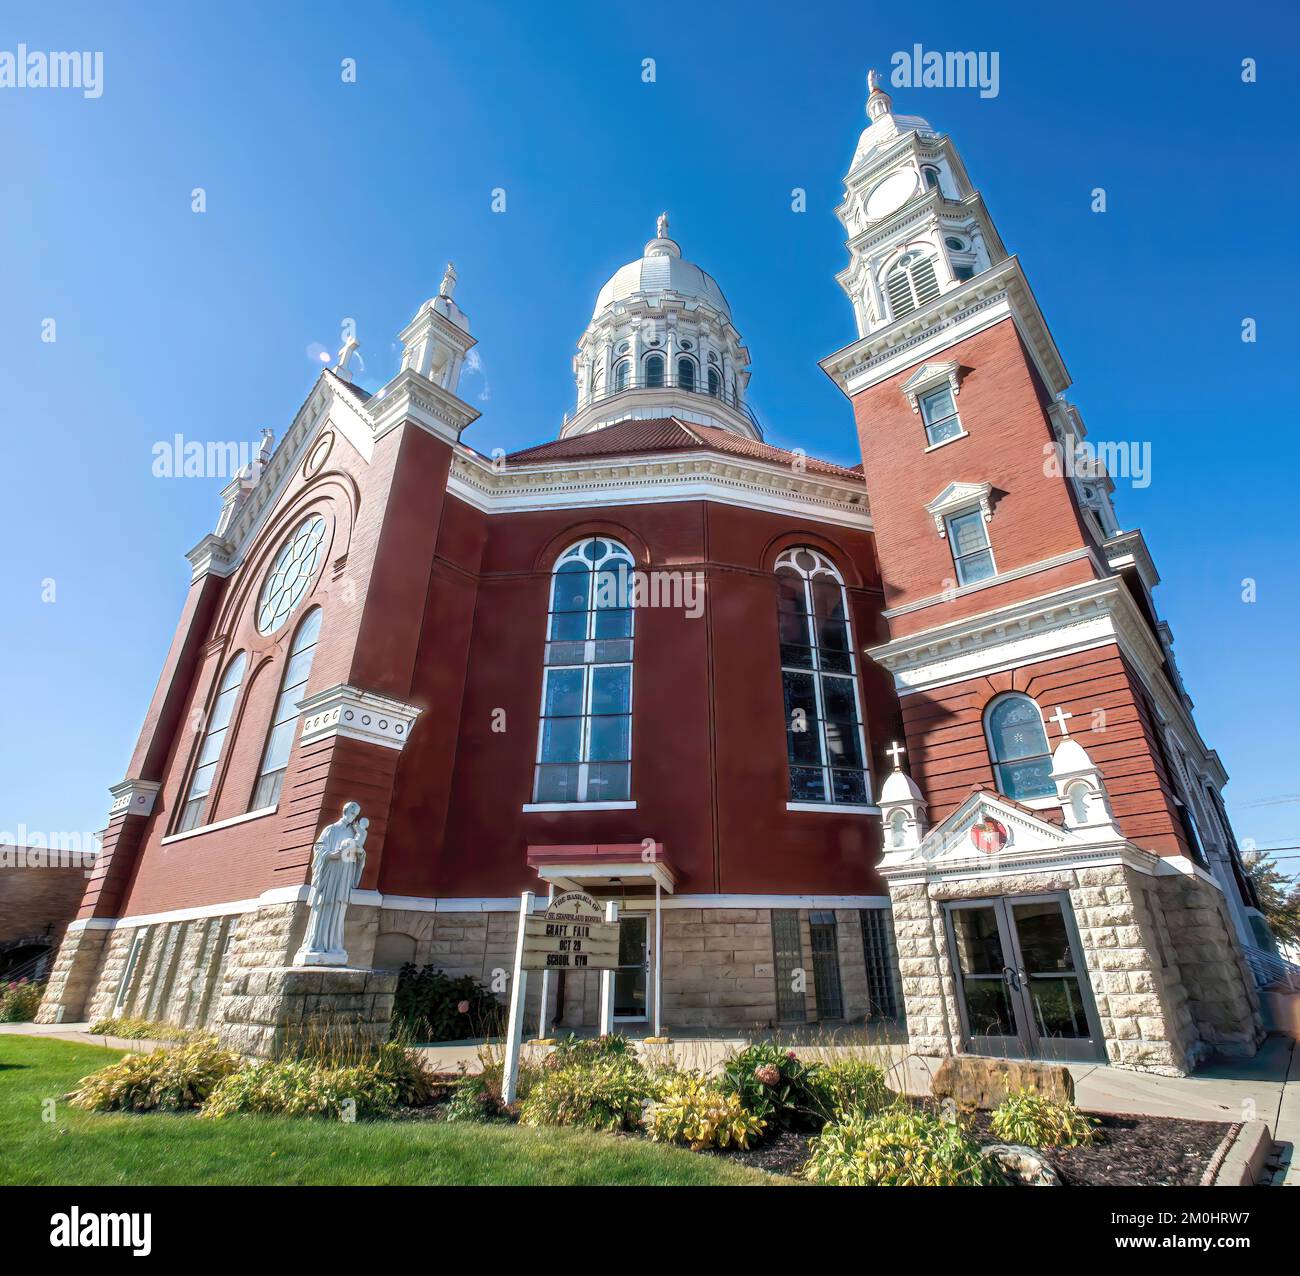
[569, 935]
[518, 986]
[542, 1017]
[607, 977]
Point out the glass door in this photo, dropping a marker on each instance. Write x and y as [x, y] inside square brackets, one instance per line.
[1062, 1022]
[632, 977]
[1021, 985]
[986, 978]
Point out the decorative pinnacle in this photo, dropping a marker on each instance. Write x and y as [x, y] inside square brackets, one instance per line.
[896, 752]
[448, 285]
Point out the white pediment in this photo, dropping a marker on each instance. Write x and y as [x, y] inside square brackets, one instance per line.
[930, 375]
[957, 497]
[989, 834]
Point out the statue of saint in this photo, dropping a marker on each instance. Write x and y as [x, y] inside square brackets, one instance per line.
[337, 861]
[661, 226]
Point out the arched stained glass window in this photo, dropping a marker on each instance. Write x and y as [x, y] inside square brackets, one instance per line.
[620, 375]
[214, 739]
[584, 740]
[686, 373]
[654, 371]
[715, 383]
[825, 742]
[284, 719]
[292, 571]
[1022, 760]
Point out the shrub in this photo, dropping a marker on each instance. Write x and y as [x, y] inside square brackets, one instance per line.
[375, 1086]
[608, 1094]
[130, 1029]
[573, 1050]
[474, 1099]
[689, 1111]
[775, 1085]
[175, 1079]
[1026, 1117]
[430, 1005]
[19, 1001]
[900, 1147]
[849, 1085]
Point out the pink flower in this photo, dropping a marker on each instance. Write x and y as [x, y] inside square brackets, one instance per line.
[767, 1073]
[790, 1054]
[462, 1007]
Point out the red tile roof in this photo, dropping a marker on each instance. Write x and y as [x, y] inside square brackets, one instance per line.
[670, 434]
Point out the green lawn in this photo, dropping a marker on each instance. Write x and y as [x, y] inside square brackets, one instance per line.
[91, 1149]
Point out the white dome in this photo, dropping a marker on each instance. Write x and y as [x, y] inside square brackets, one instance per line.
[661, 269]
[1070, 757]
[900, 787]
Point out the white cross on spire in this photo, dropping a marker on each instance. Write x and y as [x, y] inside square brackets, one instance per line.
[896, 751]
[1060, 717]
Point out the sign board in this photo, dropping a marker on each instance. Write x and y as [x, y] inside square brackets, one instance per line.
[570, 935]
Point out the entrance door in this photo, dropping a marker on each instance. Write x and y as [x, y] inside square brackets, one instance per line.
[1021, 983]
[632, 977]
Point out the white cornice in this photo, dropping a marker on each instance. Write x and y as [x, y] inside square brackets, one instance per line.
[1076, 618]
[414, 398]
[349, 711]
[680, 476]
[132, 797]
[329, 403]
[991, 296]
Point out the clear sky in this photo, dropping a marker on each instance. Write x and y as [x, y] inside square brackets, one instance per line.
[328, 201]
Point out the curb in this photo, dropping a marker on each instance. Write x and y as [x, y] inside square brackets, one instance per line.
[1244, 1160]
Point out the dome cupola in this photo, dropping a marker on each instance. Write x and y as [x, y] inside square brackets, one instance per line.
[661, 343]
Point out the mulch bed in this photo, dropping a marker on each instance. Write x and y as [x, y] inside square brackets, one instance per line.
[1130, 1152]
[1133, 1151]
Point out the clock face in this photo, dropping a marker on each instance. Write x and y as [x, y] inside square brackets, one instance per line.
[892, 193]
[290, 574]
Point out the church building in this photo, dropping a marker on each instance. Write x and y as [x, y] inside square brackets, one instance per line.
[901, 742]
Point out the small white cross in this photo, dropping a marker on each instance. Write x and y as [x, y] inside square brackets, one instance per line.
[896, 752]
[1060, 717]
[345, 355]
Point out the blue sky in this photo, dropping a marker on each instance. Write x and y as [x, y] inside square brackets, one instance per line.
[328, 201]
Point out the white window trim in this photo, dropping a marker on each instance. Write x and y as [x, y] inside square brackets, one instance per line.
[986, 548]
[578, 806]
[958, 498]
[260, 813]
[844, 808]
[961, 434]
[930, 376]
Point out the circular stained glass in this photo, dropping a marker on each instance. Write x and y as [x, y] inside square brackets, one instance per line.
[293, 570]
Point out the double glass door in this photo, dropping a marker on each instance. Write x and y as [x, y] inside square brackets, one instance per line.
[1021, 984]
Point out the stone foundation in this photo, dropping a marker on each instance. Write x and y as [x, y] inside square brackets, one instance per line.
[1167, 978]
[719, 969]
[274, 1010]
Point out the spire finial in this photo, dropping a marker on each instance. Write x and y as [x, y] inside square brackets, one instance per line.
[661, 226]
[878, 101]
[896, 752]
[448, 285]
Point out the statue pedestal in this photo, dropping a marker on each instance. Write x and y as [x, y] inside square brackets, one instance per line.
[273, 1010]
